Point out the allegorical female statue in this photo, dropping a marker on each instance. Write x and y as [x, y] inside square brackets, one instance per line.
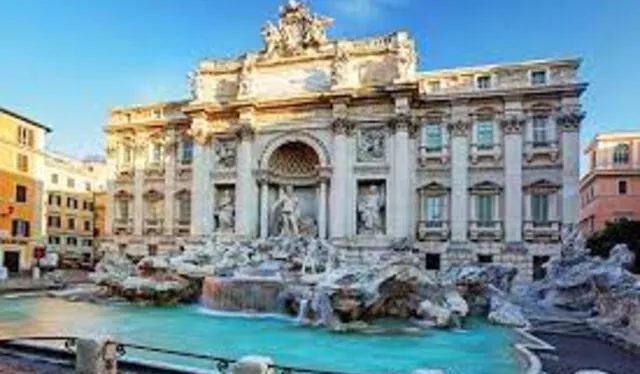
[288, 205]
[370, 211]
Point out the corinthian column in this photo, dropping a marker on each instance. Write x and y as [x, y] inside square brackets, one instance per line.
[138, 186]
[170, 180]
[246, 191]
[201, 186]
[459, 179]
[512, 128]
[340, 207]
[569, 123]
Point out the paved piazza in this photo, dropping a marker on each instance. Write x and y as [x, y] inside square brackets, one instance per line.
[346, 140]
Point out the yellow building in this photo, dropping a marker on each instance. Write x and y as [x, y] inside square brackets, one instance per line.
[72, 186]
[21, 185]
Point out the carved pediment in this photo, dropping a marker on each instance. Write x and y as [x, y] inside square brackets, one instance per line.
[486, 187]
[542, 186]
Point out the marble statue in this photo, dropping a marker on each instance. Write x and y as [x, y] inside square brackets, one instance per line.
[245, 81]
[271, 37]
[289, 212]
[316, 34]
[371, 145]
[339, 67]
[405, 59]
[226, 153]
[226, 210]
[370, 207]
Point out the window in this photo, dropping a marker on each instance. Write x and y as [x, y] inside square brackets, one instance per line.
[433, 86]
[622, 187]
[72, 203]
[25, 136]
[184, 207]
[540, 131]
[84, 205]
[21, 194]
[87, 186]
[54, 178]
[123, 209]
[621, 154]
[432, 209]
[484, 134]
[156, 113]
[71, 183]
[187, 150]
[539, 77]
[432, 137]
[127, 117]
[128, 154]
[156, 153]
[72, 241]
[53, 221]
[54, 239]
[483, 82]
[154, 209]
[71, 223]
[58, 200]
[540, 208]
[51, 199]
[485, 259]
[23, 163]
[432, 261]
[20, 228]
[87, 226]
[485, 209]
[87, 242]
[90, 206]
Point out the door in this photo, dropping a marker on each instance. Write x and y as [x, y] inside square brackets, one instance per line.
[12, 261]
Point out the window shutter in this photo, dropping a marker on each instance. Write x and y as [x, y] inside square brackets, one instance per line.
[27, 229]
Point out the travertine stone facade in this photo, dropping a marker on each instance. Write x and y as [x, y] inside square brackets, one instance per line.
[346, 140]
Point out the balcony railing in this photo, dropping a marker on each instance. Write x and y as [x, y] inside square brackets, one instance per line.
[542, 230]
[549, 148]
[432, 230]
[182, 227]
[485, 151]
[433, 154]
[483, 229]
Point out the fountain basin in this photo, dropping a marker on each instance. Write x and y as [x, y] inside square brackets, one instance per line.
[481, 348]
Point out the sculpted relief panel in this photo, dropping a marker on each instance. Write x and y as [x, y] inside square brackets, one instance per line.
[372, 144]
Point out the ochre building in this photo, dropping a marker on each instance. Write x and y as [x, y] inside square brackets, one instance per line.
[21, 187]
[348, 141]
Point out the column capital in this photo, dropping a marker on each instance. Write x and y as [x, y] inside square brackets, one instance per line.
[569, 121]
[403, 122]
[244, 131]
[513, 124]
[342, 126]
[459, 127]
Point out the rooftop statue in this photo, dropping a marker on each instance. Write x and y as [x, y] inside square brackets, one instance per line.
[297, 31]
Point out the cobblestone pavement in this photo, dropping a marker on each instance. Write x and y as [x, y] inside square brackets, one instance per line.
[577, 353]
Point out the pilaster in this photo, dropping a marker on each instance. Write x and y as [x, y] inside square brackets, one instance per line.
[569, 123]
[138, 188]
[170, 181]
[201, 223]
[512, 127]
[342, 128]
[459, 130]
[402, 127]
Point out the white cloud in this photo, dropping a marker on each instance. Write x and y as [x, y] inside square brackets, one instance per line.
[365, 10]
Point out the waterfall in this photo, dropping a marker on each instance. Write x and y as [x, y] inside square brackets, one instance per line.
[323, 309]
[303, 308]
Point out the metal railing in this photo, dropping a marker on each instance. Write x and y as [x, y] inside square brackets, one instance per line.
[223, 365]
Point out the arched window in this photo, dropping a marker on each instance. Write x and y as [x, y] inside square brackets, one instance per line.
[621, 153]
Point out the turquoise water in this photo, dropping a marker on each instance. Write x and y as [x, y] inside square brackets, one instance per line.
[478, 349]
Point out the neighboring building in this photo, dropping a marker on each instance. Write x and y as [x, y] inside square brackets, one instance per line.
[475, 164]
[72, 186]
[610, 190]
[22, 142]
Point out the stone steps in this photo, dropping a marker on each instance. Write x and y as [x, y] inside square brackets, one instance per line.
[562, 327]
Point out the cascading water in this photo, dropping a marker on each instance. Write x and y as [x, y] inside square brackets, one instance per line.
[321, 305]
[302, 310]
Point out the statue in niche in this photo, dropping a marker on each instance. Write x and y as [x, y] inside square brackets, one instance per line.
[370, 206]
[226, 210]
[288, 205]
[371, 146]
[271, 37]
[226, 153]
[339, 67]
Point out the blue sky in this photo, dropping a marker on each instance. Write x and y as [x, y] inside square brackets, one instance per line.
[66, 62]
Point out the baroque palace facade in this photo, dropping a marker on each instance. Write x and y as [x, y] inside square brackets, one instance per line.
[346, 140]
